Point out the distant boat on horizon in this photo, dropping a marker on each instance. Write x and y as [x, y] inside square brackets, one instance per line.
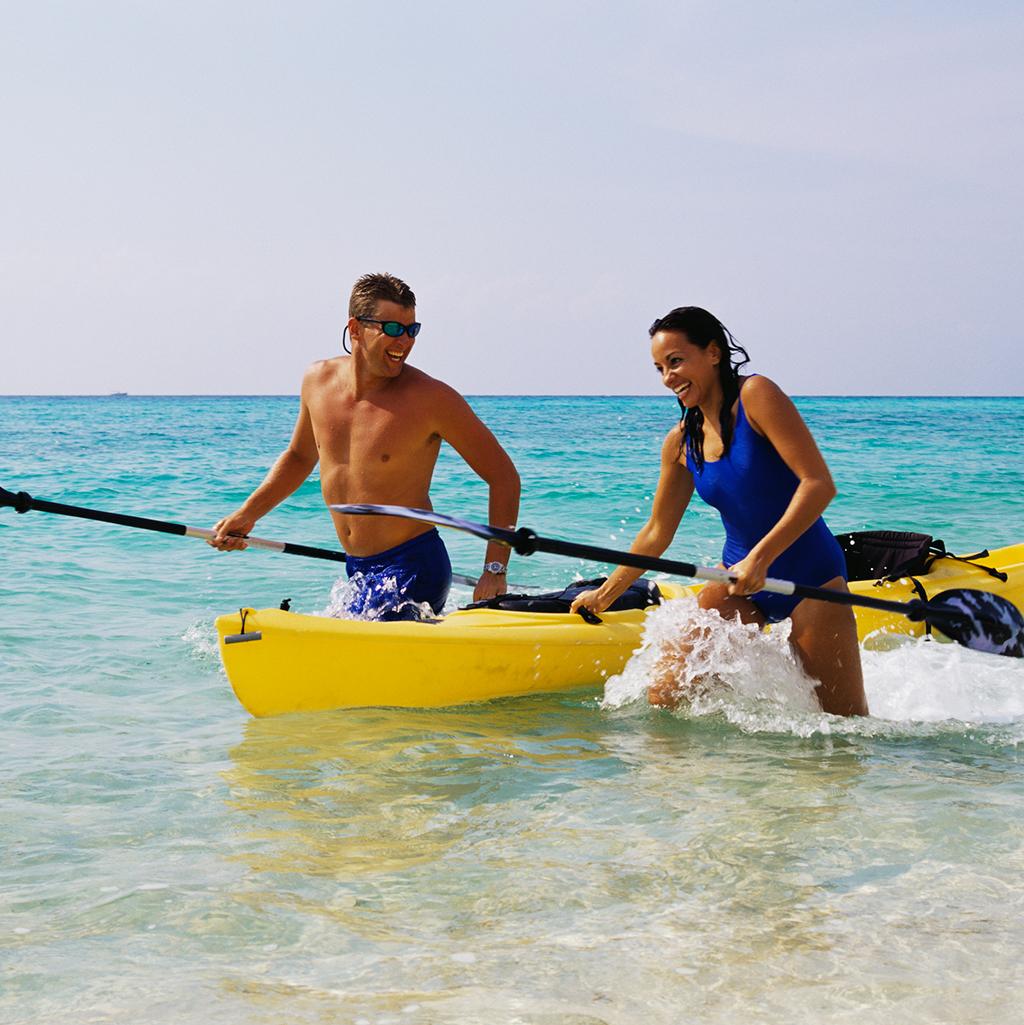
[118, 394]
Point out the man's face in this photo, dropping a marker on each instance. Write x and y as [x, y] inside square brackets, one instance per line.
[384, 355]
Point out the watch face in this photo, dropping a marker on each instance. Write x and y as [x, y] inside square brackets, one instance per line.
[494, 567]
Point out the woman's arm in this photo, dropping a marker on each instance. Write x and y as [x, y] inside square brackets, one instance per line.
[673, 494]
[772, 414]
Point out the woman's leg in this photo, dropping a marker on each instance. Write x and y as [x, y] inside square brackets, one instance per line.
[664, 692]
[825, 639]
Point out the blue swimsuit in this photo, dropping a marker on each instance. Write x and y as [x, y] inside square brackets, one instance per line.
[393, 584]
[751, 486]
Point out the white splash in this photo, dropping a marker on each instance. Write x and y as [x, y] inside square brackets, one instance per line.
[731, 668]
[752, 679]
[921, 680]
[344, 594]
[350, 592]
[201, 638]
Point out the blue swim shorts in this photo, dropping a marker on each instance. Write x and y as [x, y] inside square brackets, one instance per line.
[396, 583]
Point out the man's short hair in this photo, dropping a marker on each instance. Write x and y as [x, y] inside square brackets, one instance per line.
[371, 289]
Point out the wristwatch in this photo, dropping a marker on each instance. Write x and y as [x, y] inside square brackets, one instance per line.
[497, 568]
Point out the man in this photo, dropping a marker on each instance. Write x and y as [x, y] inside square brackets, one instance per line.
[375, 424]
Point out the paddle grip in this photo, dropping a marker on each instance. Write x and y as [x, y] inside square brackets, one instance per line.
[524, 541]
[20, 502]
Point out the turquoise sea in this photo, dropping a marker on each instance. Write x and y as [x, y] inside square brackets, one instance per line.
[553, 861]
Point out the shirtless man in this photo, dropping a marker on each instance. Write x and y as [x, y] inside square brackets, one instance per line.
[375, 424]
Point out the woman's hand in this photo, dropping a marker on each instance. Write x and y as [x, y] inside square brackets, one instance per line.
[596, 601]
[751, 573]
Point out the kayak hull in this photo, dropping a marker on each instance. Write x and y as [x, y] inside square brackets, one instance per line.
[308, 663]
[288, 662]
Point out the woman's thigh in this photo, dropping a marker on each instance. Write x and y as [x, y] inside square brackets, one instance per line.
[824, 636]
[729, 606]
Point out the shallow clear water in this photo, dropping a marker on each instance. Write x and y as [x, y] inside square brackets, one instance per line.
[556, 860]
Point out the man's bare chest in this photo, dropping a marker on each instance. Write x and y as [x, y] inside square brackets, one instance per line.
[367, 435]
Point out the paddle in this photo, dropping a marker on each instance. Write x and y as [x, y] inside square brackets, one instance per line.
[976, 619]
[23, 502]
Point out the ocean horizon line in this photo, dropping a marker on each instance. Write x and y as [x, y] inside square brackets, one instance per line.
[483, 395]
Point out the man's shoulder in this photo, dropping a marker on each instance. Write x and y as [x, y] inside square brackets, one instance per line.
[322, 371]
[420, 382]
[322, 367]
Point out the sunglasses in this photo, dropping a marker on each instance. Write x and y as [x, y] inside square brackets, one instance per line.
[392, 328]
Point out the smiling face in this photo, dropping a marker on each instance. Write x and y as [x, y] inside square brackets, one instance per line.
[382, 355]
[687, 370]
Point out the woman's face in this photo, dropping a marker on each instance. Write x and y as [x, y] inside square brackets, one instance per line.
[687, 370]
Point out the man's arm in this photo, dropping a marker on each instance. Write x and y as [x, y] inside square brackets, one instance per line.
[292, 467]
[469, 436]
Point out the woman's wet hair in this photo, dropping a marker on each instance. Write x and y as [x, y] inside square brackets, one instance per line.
[701, 329]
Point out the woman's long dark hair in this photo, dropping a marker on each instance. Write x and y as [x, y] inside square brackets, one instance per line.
[701, 329]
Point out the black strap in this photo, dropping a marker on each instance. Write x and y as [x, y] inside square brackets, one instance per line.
[923, 595]
[639, 595]
[970, 559]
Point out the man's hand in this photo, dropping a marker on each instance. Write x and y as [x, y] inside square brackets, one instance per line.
[489, 586]
[230, 531]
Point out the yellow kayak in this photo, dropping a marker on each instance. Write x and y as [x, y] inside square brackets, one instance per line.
[281, 662]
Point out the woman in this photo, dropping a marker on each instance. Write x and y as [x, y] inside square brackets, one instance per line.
[744, 447]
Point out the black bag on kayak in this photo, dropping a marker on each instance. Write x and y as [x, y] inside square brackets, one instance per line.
[640, 595]
[881, 554]
[891, 554]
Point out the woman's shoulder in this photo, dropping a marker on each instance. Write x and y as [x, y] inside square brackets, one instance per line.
[673, 437]
[755, 384]
[758, 389]
[673, 446]
[761, 398]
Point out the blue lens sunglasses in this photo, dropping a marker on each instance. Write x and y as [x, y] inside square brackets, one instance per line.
[392, 328]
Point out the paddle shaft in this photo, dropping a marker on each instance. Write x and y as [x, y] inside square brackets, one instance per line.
[525, 542]
[23, 502]
[957, 612]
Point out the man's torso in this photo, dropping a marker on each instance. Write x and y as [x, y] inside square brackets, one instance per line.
[380, 448]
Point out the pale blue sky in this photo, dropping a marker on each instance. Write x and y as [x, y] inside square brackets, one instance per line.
[189, 190]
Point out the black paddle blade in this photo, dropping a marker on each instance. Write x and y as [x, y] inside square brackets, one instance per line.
[978, 620]
[488, 533]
